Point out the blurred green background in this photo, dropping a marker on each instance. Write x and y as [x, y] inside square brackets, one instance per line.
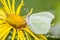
[52, 6]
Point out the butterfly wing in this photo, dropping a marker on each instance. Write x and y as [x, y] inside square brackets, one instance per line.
[40, 22]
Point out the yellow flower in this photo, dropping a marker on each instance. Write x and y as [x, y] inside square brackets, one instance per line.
[10, 19]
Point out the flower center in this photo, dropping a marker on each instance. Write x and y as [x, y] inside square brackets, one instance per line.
[16, 21]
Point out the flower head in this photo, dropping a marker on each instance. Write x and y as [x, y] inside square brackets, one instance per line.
[11, 19]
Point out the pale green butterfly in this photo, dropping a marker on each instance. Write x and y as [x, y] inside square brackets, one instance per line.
[40, 22]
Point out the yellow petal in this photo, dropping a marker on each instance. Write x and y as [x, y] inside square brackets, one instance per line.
[1, 17]
[14, 33]
[1, 22]
[9, 4]
[18, 38]
[27, 36]
[5, 35]
[21, 35]
[43, 36]
[31, 11]
[5, 6]
[31, 33]
[2, 14]
[13, 6]
[5, 32]
[19, 8]
[3, 27]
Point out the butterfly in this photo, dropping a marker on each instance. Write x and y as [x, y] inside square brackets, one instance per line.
[40, 23]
